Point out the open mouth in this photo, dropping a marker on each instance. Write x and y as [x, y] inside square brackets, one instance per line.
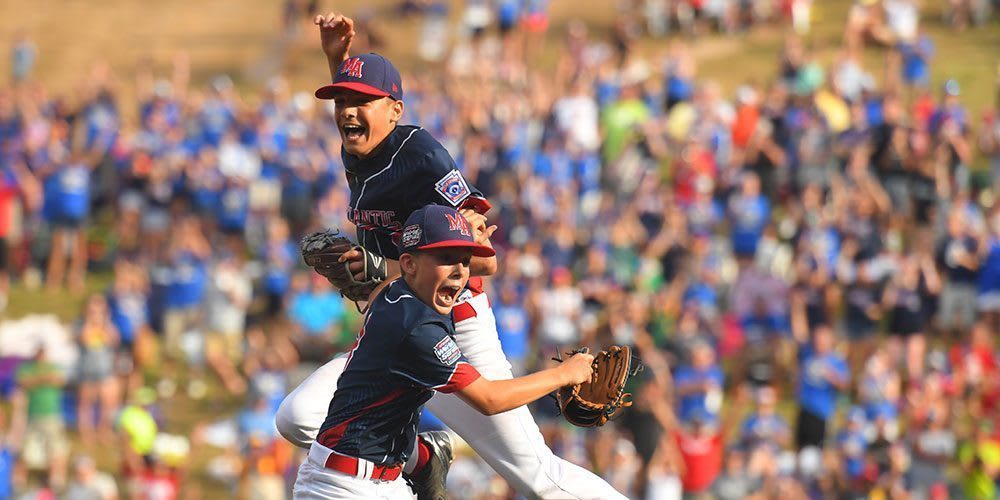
[448, 294]
[353, 132]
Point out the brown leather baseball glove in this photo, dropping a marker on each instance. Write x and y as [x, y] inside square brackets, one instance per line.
[322, 252]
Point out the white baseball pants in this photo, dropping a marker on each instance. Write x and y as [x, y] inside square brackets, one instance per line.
[509, 442]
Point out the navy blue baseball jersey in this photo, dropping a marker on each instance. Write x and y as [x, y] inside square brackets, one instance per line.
[409, 170]
[404, 352]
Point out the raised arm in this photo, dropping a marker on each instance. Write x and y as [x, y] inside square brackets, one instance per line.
[336, 32]
[490, 397]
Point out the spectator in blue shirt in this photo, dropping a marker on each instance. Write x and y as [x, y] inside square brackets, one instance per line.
[699, 385]
[853, 444]
[317, 312]
[750, 213]
[280, 256]
[257, 421]
[765, 428]
[823, 375]
[513, 325]
[989, 273]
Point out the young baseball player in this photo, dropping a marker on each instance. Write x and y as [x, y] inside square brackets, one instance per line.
[406, 351]
[393, 170]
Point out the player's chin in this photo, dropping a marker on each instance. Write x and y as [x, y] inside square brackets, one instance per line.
[356, 148]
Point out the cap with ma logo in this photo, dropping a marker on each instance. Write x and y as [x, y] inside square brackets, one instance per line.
[438, 226]
[369, 74]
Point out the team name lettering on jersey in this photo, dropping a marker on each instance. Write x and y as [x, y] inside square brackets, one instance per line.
[458, 223]
[352, 67]
[374, 219]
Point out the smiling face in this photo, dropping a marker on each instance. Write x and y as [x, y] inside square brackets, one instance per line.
[364, 121]
[437, 276]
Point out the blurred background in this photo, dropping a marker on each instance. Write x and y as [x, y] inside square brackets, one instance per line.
[789, 207]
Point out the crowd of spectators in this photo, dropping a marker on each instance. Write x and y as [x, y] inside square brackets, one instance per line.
[809, 267]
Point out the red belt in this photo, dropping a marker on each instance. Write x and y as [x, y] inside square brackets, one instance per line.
[349, 465]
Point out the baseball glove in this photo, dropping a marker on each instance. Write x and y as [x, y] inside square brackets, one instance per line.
[322, 251]
[593, 403]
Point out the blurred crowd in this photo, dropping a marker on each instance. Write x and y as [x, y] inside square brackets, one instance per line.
[809, 266]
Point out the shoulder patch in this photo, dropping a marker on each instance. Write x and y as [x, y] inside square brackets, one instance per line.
[411, 236]
[453, 188]
[447, 351]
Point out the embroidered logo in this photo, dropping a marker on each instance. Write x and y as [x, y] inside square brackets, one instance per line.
[352, 67]
[453, 188]
[458, 223]
[447, 351]
[411, 236]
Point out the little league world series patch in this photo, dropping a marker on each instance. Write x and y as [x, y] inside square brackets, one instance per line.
[447, 351]
[453, 187]
[411, 236]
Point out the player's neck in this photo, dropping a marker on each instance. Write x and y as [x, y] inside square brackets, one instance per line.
[381, 145]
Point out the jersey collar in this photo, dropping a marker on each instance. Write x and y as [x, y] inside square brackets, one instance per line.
[379, 158]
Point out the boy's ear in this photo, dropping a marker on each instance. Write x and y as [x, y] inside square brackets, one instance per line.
[397, 111]
[407, 264]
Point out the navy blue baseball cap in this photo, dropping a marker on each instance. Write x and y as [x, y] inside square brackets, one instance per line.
[438, 226]
[369, 74]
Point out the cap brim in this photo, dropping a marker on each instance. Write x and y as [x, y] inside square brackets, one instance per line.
[477, 249]
[328, 91]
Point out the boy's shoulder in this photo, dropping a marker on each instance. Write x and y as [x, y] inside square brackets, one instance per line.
[417, 143]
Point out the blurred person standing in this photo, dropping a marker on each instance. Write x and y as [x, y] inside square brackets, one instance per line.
[979, 457]
[514, 326]
[17, 183]
[265, 468]
[699, 385]
[280, 258]
[557, 310]
[98, 339]
[700, 445]
[185, 275]
[958, 255]
[751, 213]
[823, 375]
[227, 300]
[9, 443]
[765, 427]
[137, 431]
[934, 446]
[576, 116]
[128, 303]
[950, 127]
[620, 120]
[66, 182]
[23, 55]
[267, 457]
[317, 312]
[908, 297]
[266, 365]
[735, 481]
[852, 445]
[977, 370]
[989, 139]
[46, 445]
[89, 483]
[988, 299]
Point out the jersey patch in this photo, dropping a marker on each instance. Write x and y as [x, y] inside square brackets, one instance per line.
[453, 187]
[447, 351]
[411, 236]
